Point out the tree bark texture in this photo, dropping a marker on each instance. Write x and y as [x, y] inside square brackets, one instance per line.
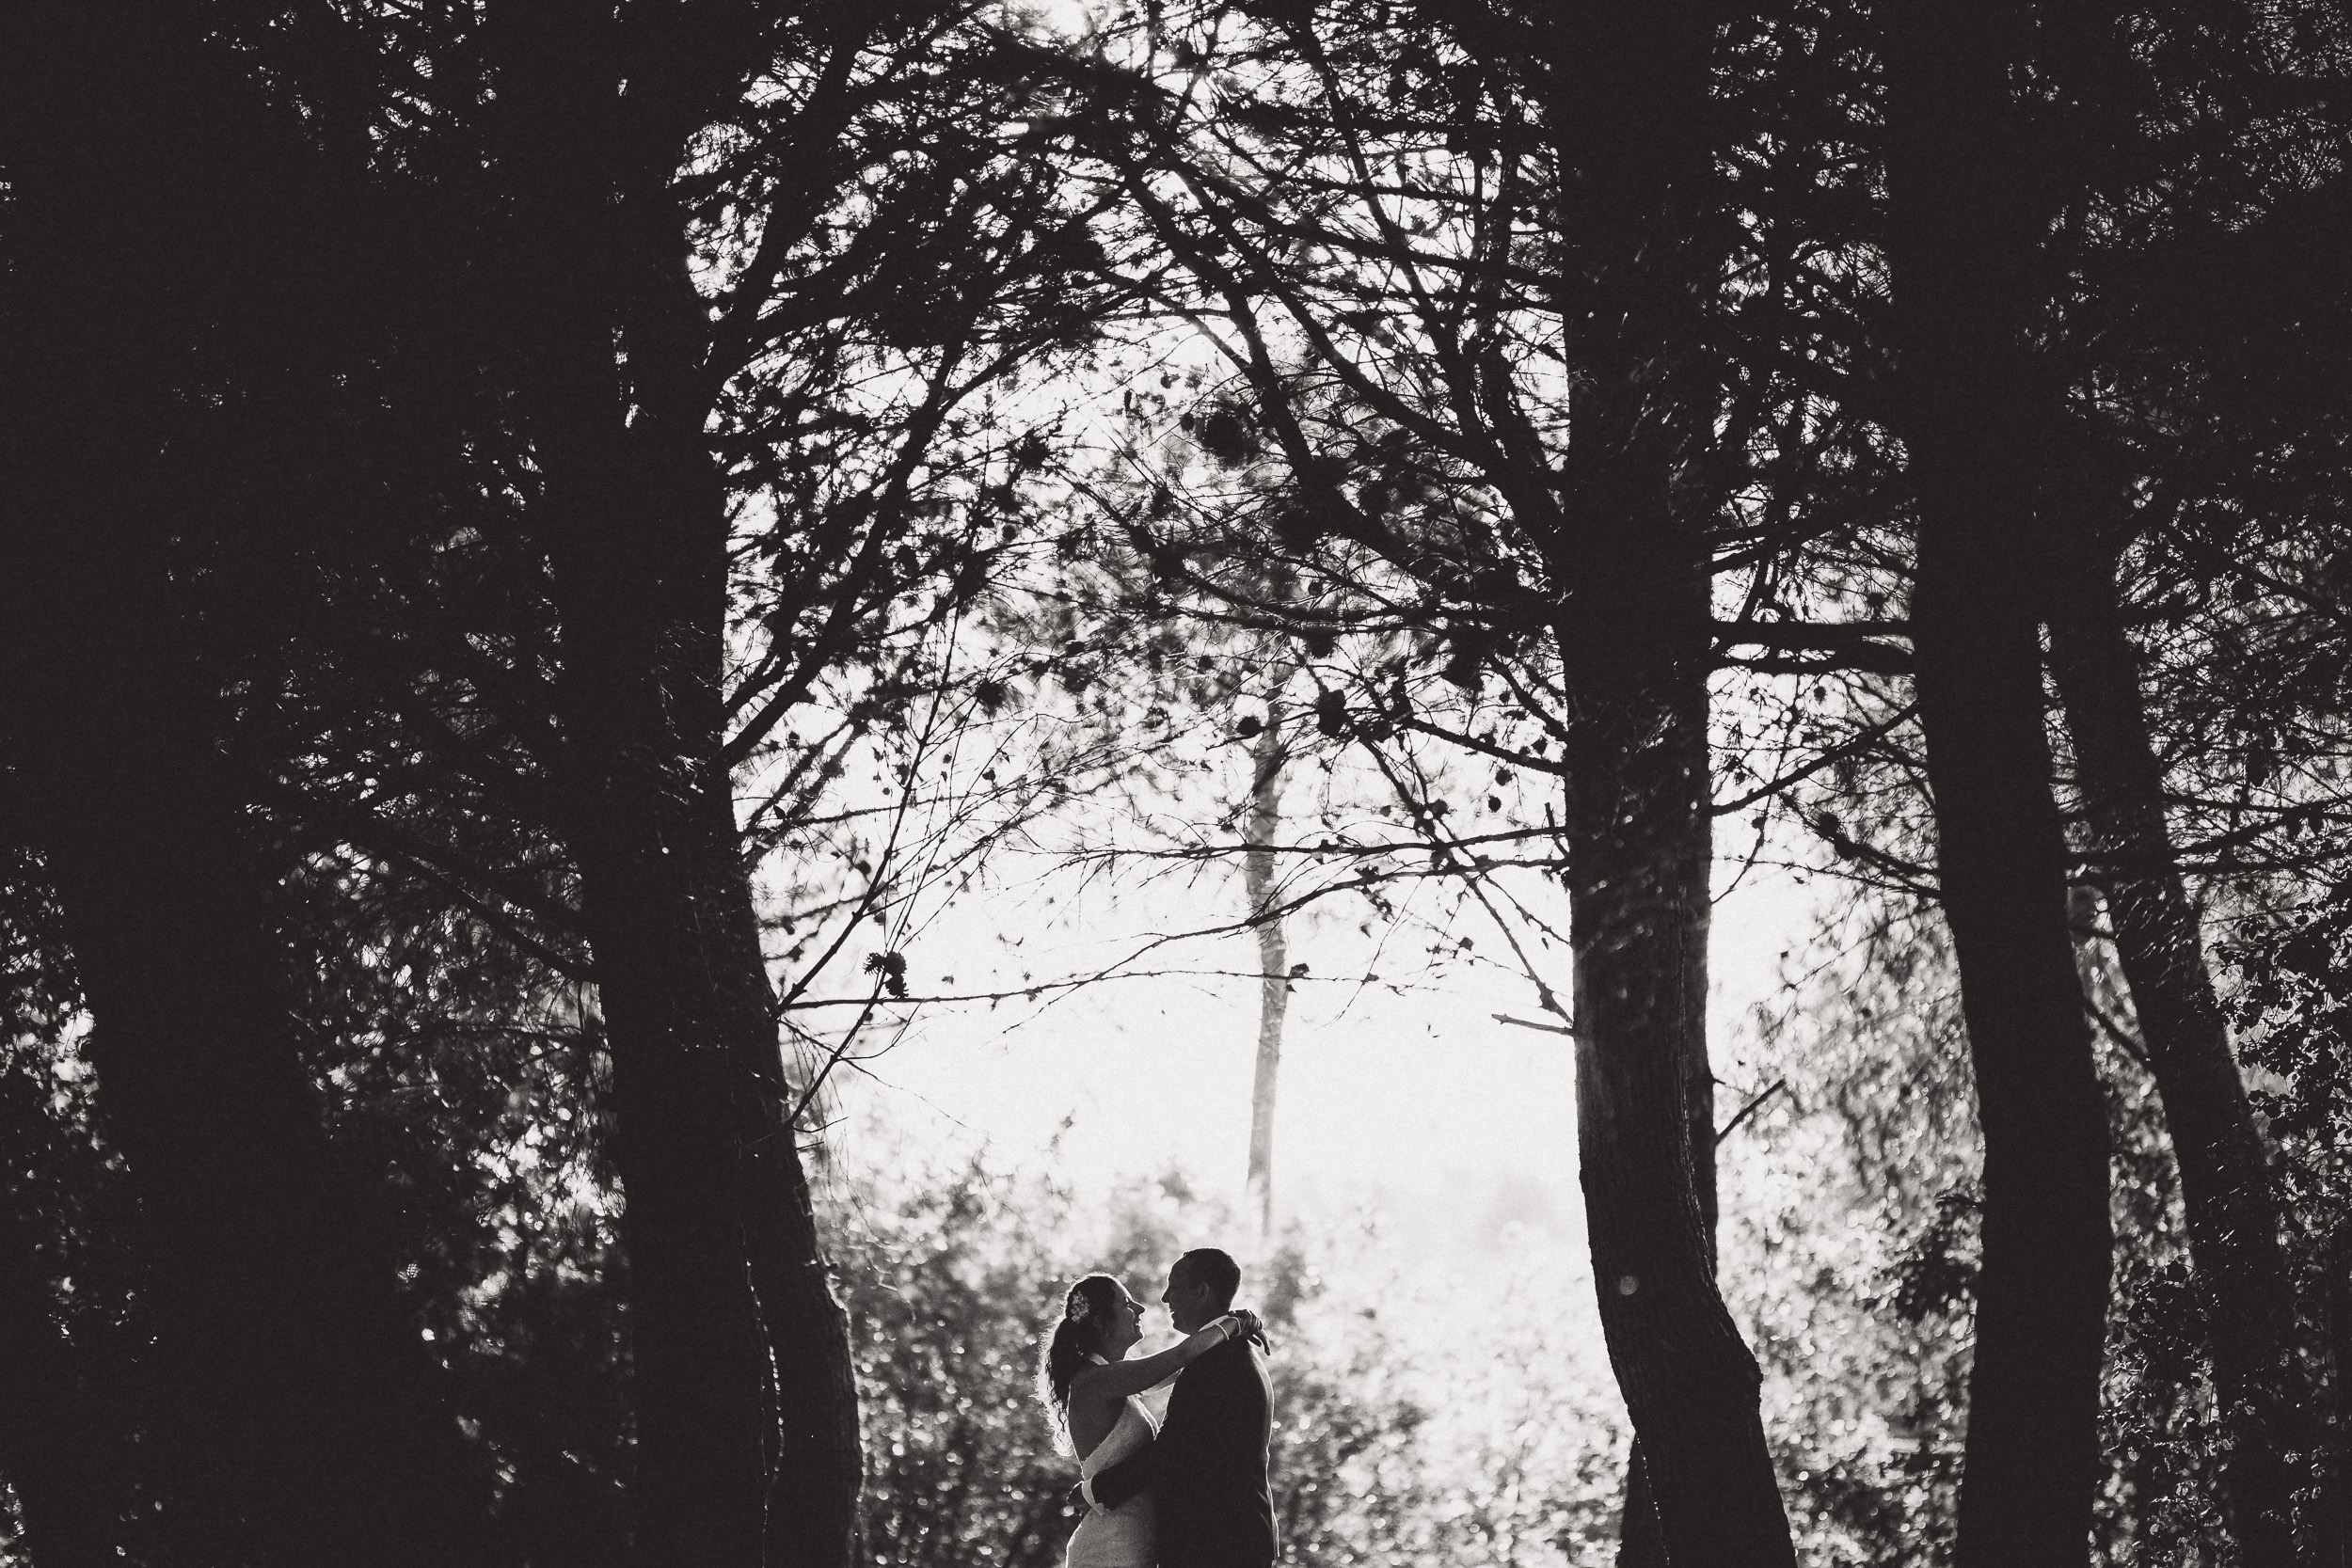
[1641, 1543]
[743, 1384]
[2226, 1184]
[1963, 231]
[1265, 820]
[1625, 99]
[1640, 857]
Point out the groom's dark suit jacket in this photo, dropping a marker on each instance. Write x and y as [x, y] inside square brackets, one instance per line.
[1207, 1473]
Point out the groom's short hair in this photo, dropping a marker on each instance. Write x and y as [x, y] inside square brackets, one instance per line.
[1213, 1268]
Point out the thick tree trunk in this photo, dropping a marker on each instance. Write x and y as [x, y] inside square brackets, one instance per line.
[742, 1382]
[1628, 109]
[1963, 236]
[1265, 820]
[2226, 1182]
[1640, 839]
[1639, 1542]
[297, 1414]
[297, 1424]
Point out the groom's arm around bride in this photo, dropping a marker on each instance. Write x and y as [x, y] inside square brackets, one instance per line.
[1207, 1472]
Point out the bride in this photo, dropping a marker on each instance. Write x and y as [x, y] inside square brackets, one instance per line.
[1090, 1389]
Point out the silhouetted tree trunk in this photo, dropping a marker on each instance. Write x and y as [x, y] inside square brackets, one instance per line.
[160, 357]
[1267, 754]
[1639, 1542]
[742, 1387]
[741, 1380]
[1640, 857]
[1626, 94]
[297, 1420]
[1621, 518]
[2226, 1183]
[1965, 231]
[2333, 1508]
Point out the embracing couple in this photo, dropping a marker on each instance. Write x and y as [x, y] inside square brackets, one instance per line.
[1187, 1493]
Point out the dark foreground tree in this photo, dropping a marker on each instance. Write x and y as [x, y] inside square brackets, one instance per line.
[2206, 437]
[1966, 208]
[741, 1385]
[57, 1453]
[707, 238]
[2227, 1190]
[180, 312]
[527, 628]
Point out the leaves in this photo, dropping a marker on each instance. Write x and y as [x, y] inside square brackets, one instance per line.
[1331, 719]
[892, 968]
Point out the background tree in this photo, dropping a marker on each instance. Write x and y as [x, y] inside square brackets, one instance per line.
[1268, 756]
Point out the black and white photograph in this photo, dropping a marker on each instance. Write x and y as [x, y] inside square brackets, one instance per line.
[1175, 784]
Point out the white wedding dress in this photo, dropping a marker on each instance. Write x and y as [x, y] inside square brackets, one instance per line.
[1121, 1537]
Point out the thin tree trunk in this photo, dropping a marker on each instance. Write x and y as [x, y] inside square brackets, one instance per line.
[2333, 1506]
[1963, 236]
[2032, 1454]
[2226, 1182]
[1265, 820]
[742, 1382]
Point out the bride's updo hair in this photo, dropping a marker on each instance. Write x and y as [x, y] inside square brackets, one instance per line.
[1078, 1322]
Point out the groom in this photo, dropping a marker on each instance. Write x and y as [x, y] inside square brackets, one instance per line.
[1207, 1472]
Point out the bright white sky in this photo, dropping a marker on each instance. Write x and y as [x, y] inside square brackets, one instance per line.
[1404, 1091]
